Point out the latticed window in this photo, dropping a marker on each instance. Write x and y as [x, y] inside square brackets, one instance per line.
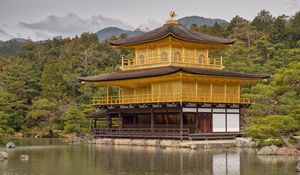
[177, 56]
[164, 57]
[142, 59]
[201, 59]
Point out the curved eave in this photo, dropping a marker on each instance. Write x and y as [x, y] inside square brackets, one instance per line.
[152, 73]
[175, 36]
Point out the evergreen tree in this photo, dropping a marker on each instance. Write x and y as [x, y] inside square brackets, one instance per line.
[21, 78]
[41, 113]
[75, 120]
[263, 21]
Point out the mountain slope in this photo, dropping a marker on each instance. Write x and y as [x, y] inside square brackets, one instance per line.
[108, 32]
[200, 21]
[11, 47]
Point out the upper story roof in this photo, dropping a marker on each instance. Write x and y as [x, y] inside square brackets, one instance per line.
[175, 30]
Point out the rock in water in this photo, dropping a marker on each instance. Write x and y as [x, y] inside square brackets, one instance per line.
[245, 142]
[38, 136]
[24, 157]
[298, 165]
[287, 151]
[10, 145]
[1, 158]
[268, 150]
[193, 146]
[4, 154]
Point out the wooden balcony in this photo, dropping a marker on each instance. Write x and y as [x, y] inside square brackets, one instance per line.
[141, 133]
[159, 133]
[134, 63]
[162, 98]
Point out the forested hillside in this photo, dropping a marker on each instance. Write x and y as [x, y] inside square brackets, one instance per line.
[39, 89]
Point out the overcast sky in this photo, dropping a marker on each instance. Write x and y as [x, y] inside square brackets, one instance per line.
[41, 19]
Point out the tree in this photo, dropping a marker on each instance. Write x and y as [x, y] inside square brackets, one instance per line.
[41, 113]
[268, 130]
[278, 33]
[20, 77]
[245, 32]
[53, 85]
[295, 29]
[14, 111]
[263, 21]
[75, 120]
[233, 23]
[281, 96]
[4, 124]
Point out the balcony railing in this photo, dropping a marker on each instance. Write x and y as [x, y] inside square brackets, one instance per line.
[215, 63]
[178, 97]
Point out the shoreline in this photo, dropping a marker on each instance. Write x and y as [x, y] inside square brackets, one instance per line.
[167, 143]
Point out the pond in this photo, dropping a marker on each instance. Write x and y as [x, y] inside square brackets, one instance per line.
[54, 157]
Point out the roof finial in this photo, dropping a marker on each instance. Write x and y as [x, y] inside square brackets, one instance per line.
[172, 20]
[172, 14]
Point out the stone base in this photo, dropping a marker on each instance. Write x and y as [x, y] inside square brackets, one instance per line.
[206, 144]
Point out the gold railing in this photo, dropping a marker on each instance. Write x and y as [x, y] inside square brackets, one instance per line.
[185, 61]
[175, 97]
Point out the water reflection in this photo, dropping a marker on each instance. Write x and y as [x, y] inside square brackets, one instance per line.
[108, 159]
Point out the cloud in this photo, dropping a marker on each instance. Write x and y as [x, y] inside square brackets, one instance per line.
[72, 24]
[66, 26]
[293, 4]
[150, 24]
[4, 35]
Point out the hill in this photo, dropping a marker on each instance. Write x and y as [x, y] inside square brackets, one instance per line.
[11, 47]
[200, 21]
[108, 32]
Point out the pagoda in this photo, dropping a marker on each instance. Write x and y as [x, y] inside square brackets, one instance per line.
[171, 88]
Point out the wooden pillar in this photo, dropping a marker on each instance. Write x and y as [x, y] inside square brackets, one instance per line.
[136, 56]
[147, 58]
[196, 91]
[239, 92]
[152, 119]
[170, 56]
[221, 61]
[197, 120]
[225, 92]
[159, 55]
[120, 95]
[211, 92]
[134, 95]
[95, 123]
[107, 93]
[119, 117]
[134, 119]
[183, 55]
[109, 122]
[181, 122]
[195, 53]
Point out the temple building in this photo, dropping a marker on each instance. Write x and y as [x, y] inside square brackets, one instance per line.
[171, 88]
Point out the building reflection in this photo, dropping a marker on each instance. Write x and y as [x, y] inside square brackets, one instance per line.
[132, 159]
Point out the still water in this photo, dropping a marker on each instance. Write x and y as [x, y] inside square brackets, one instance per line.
[53, 157]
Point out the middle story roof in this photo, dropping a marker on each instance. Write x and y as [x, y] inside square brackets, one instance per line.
[160, 71]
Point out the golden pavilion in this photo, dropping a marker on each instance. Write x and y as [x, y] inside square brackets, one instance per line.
[172, 88]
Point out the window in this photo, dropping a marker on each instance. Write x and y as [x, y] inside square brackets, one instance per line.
[142, 59]
[201, 59]
[219, 123]
[177, 56]
[164, 57]
[233, 122]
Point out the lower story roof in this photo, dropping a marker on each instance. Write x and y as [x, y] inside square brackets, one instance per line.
[160, 71]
